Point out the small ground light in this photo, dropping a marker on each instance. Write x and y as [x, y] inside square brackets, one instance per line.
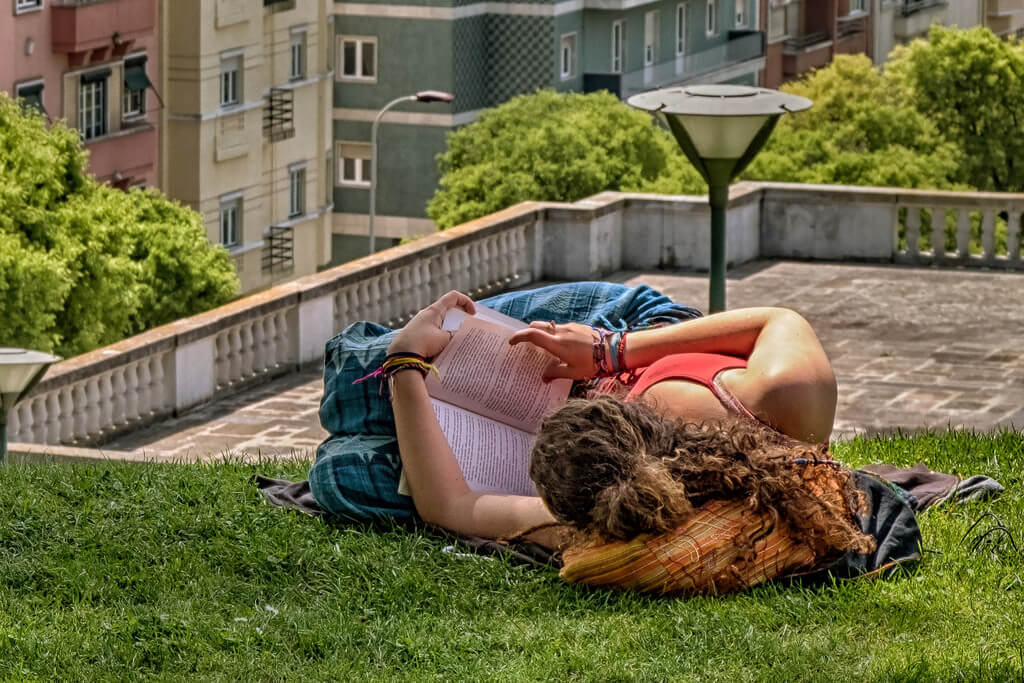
[20, 370]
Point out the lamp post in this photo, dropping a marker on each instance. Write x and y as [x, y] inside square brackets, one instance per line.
[20, 370]
[720, 128]
[422, 96]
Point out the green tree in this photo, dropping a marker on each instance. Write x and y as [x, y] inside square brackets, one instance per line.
[555, 147]
[860, 131]
[83, 264]
[971, 85]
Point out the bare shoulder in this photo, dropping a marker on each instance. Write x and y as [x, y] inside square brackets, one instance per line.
[800, 404]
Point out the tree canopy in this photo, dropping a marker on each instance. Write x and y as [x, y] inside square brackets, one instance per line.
[970, 84]
[555, 147]
[860, 131]
[83, 264]
[945, 113]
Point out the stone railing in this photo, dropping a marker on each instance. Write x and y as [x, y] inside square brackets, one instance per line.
[899, 226]
[169, 370]
[89, 399]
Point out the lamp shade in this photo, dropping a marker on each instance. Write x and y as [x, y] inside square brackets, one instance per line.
[20, 370]
[726, 137]
[720, 128]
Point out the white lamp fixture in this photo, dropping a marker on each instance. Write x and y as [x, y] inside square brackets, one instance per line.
[20, 370]
[720, 129]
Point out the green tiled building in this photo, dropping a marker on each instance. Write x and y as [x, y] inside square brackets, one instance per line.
[485, 53]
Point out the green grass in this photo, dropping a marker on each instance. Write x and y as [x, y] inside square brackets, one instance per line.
[181, 573]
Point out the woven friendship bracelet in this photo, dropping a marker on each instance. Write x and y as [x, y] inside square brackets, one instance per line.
[601, 361]
[397, 362]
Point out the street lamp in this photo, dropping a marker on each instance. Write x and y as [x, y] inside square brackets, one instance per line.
[720, 128]
[422, 96]
[20, 370]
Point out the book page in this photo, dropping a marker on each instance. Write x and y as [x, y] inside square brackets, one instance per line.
[482, 373]
[493, 457]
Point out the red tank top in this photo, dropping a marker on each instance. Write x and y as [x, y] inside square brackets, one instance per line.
[702, 368]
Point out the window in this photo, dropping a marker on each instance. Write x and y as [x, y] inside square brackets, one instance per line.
[568, 56]
[31, 95]
[231, 219]
[650, 37]
[296, 190]
[711, 21]
[741, 13]
[135, 84]
[618, 32]
[858, 6]
[27, 5]
[681, 12]
[92, 104]
[297, 52]
[358, 59]
[230, 80]
[354, 164]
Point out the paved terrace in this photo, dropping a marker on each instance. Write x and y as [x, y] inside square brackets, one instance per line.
[913, 348]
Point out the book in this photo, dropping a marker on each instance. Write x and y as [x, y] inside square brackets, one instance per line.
[490, 400]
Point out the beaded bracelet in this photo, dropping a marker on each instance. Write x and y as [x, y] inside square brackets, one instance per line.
[397, 362]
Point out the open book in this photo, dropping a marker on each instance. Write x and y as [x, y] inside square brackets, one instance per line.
[490, 400]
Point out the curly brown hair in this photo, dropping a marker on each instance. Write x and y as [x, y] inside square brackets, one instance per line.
[613, 469]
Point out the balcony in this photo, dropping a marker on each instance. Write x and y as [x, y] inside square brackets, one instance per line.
[915, 17]
[802, 53]
[1005, 16]
[125, 156]
[742, 53]
[79, 26]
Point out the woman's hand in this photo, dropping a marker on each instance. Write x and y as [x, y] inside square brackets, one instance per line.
[423, 334]
[572, 345]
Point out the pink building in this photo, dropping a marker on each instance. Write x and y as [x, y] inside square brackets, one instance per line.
[90, 62]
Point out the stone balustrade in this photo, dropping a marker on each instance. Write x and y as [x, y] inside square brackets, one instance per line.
[88, 399]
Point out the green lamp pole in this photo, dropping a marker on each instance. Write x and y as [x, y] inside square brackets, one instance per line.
[20, 370]
[720, 129]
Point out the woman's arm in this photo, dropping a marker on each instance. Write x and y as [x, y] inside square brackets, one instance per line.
[788, 380]
[439, 490]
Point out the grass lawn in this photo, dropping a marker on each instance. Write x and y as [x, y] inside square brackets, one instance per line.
[182, 573]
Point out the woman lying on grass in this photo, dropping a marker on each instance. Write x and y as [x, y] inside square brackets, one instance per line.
[711, 467]
[734, 407]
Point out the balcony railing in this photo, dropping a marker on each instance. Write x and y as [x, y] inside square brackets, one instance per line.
[83, 25]
[743, 46]
[913, 6]
[806, 41]
[278, 249]
[278, 114]
[849, 26]
[121, 387]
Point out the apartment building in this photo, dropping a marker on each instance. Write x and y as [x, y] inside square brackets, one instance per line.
[803, 35]
[485, 53]
[248, 139]
[90, 63]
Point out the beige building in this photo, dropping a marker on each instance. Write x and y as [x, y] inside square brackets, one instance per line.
[247, 143]
[1005, 17]
[898, 22]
